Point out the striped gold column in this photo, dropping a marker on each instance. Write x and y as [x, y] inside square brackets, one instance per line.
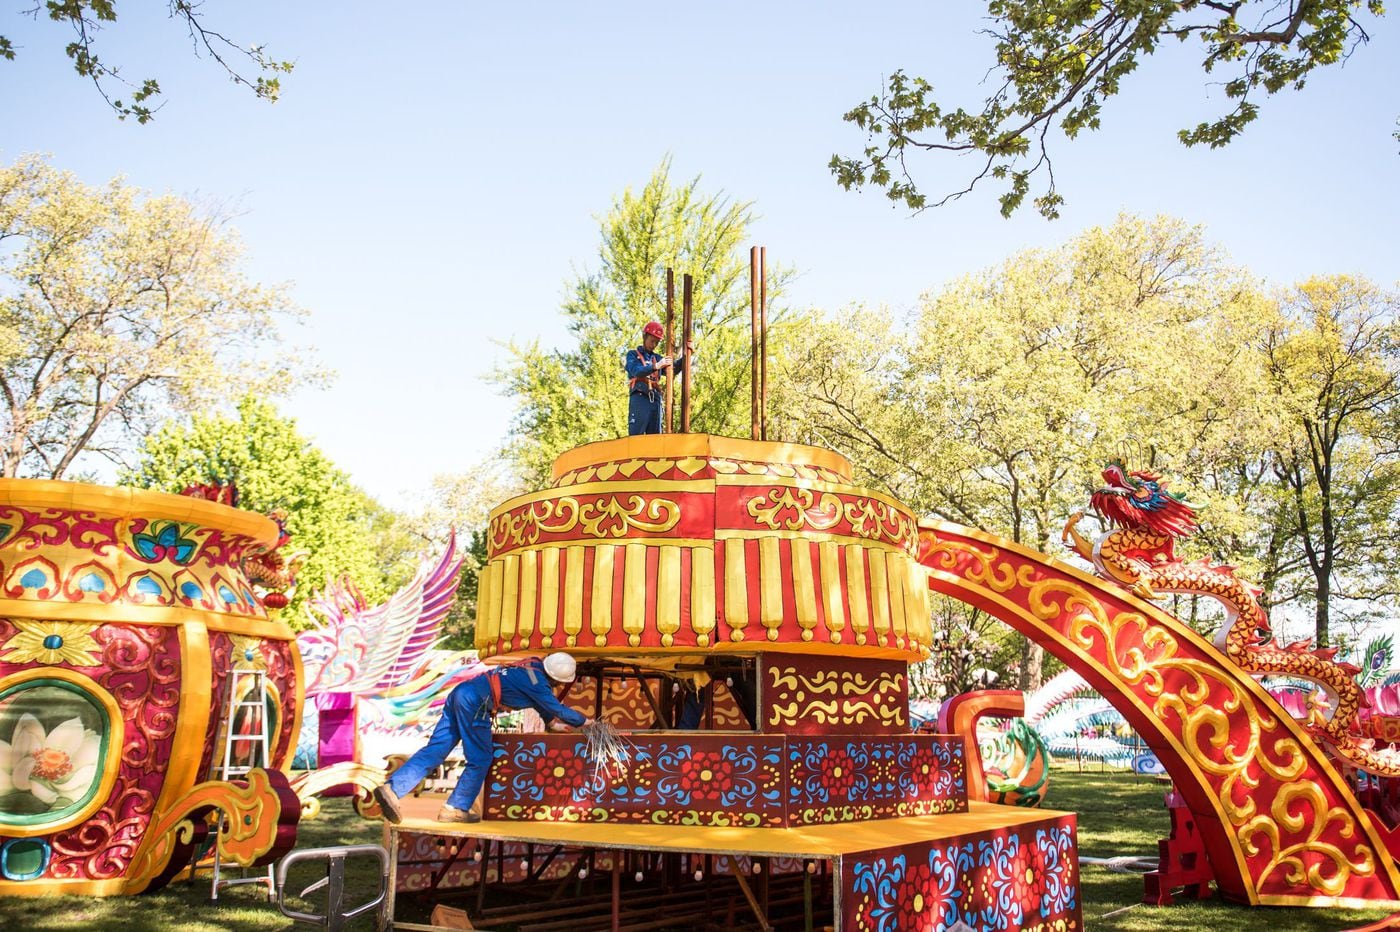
[488, 603]
[634, 593]
[833, 600]
[736, 589]
[879, 595]
[804, 589]
[529, 591]
[770, 580]
[510, 596]
[702, 594]
[668, 592]
[600, 617]
[856, 594]
[573, 594]
[549, 595]
[896, 564]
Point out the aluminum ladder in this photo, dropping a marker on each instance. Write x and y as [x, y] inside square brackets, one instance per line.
[247, 692]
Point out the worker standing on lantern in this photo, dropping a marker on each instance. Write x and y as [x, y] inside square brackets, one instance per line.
[645, 366]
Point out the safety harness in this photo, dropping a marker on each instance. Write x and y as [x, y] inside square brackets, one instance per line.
[651, 383]
[493, 679]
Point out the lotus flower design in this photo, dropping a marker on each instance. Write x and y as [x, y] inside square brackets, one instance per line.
[57, 767]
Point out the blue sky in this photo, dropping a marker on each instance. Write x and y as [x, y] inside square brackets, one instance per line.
[429, 183]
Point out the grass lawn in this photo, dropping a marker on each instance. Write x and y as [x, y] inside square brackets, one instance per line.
[1119, 814]
[1122, 814]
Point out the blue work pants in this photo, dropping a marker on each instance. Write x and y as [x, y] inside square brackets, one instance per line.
[645, 413]
[466, 717]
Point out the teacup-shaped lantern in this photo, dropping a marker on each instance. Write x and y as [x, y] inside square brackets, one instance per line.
[122, 615]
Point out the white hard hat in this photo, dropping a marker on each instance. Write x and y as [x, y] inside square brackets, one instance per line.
[561, 667]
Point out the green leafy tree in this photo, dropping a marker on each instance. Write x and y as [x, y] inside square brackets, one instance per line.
[575, 395]
[1059, 61]
[117, 310]
[249, 66]
[1334, 365]
[998, 405]
[343, 530]
[462, 503]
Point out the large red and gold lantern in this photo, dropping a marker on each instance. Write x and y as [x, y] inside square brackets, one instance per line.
[122, 615]
[670, 543]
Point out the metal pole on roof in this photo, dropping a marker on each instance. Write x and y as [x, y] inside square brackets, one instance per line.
[687, 323]
[670, 347]
[763, 342]
[754, 430]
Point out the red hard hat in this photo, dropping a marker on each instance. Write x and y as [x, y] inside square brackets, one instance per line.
[654, 329]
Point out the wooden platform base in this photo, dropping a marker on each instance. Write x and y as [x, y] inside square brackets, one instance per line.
[991, 869]
[811, 841]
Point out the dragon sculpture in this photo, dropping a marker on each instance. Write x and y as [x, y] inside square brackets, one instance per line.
[1137, 552]
[272, 572]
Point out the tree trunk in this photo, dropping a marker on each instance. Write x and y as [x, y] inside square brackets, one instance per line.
[1324, 598]
[1032, 663]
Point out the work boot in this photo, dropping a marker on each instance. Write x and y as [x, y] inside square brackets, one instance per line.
[389, 802]
[453, 814]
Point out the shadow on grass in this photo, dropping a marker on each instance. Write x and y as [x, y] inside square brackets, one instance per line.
[185, 905]
[1119, 814]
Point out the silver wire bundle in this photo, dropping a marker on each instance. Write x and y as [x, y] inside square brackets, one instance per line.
[606, 750]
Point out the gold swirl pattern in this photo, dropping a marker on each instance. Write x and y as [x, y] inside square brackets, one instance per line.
[253, 830]
[736, 819]
[312, 783]
[601, 517]
[519, 813]
[1297, 833]
[876, 520]
[609, 518]
[854, 698]
[793, 509]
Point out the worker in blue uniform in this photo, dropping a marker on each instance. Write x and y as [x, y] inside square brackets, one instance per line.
[645, 367]
[467, 717]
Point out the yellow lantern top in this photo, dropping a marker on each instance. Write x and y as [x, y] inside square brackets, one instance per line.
[686, 543]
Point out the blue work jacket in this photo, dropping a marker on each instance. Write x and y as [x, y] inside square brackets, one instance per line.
[642, 374]
[528, 687]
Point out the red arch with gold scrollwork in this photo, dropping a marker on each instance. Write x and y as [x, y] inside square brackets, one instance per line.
[1280, 823]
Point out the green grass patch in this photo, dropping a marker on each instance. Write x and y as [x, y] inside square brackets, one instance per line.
[1122, 814]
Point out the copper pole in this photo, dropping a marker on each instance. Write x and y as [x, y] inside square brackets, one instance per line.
[670, 345]
[763, 343]
[753, 343]
[687, 295]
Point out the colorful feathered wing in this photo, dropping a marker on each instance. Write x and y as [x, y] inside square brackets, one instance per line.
[361, 649]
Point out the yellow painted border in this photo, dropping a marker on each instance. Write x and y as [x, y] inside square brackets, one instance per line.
[1335, 902]
[621, 487]
[867, 651]
[815, 485]
[561, 545]
[145, 615]
[709, 446]
[111, 765]
[298, 708]
[41, 887]
[196, 708]
[870, 543]
[136, 503]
